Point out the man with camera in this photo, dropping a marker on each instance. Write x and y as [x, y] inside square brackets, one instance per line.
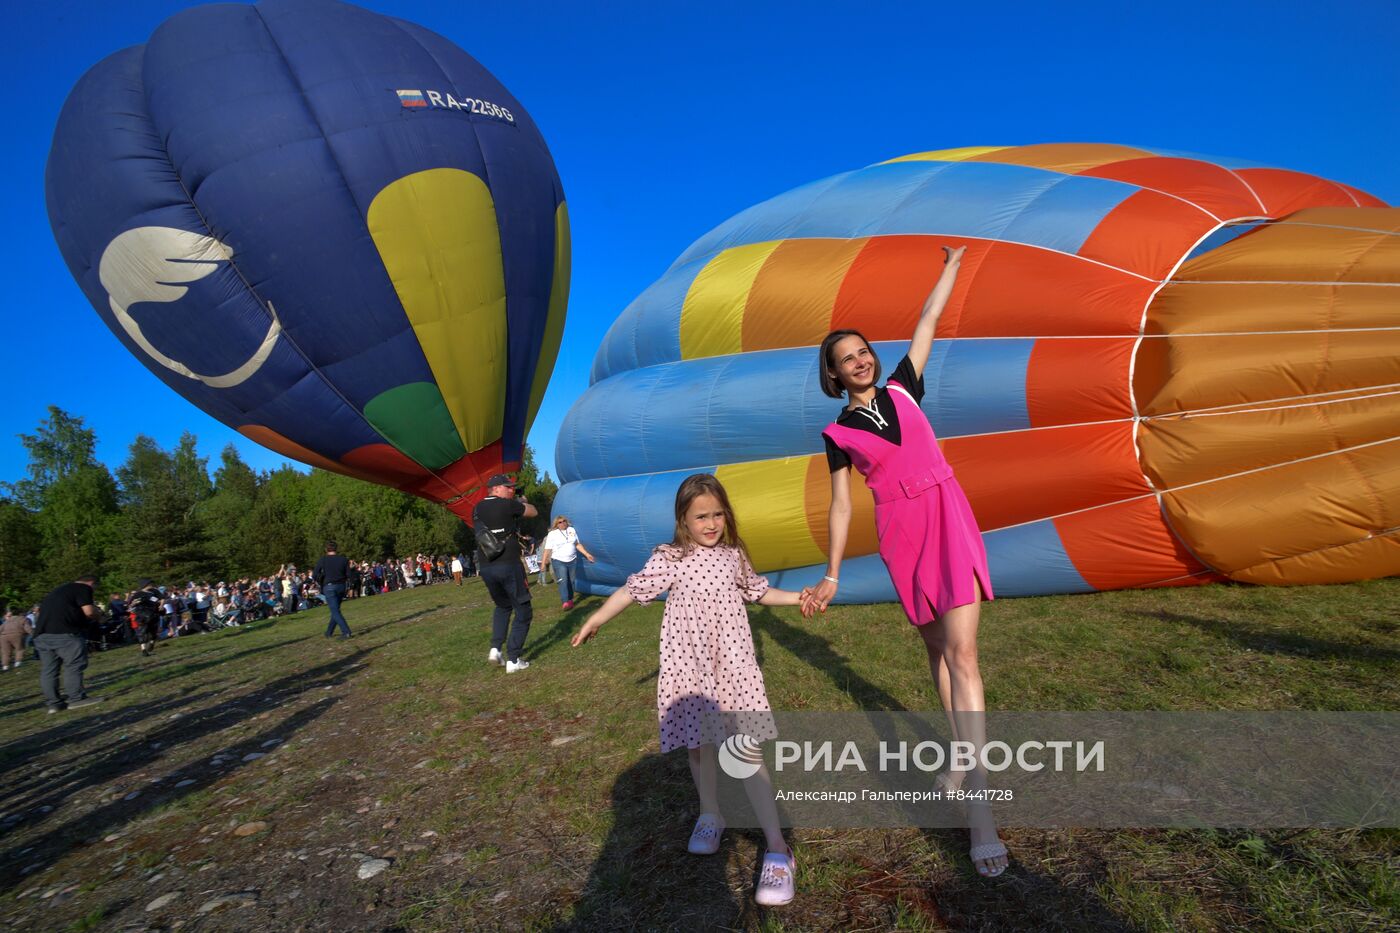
[497, 523]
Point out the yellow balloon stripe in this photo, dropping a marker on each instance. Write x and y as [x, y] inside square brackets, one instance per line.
[437, 235]
[770, 502]
[947, 155]
[712, 317]
[554, 324]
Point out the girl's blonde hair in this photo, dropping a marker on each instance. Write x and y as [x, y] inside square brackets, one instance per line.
[692, 488]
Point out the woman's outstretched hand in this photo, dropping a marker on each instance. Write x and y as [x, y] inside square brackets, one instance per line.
[952, 256]
[590, 628]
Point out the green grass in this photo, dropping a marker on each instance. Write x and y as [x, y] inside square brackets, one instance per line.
[405, 741]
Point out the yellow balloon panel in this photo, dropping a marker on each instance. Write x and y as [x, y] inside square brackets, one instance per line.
[437, 234]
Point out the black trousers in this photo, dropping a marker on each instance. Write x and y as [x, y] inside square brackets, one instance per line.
[505, 581]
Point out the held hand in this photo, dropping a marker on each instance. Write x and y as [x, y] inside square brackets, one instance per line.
[590, 628]
[823, 593]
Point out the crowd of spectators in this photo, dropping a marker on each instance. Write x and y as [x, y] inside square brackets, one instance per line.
[193, 607]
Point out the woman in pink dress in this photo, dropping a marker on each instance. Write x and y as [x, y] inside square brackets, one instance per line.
[928, 536]
[709, 686]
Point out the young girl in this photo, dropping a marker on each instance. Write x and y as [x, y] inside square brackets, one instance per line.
[928, 536]
[709, 686]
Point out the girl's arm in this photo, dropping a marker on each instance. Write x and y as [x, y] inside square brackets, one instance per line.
[618, 601]
[922, 341]
[776, 597]
[838, 521]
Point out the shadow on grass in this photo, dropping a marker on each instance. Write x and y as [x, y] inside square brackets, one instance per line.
[569, 621]
[1022, 898]
[143, 668]
[817, 652]
[140, 673]
[1273, 641]
[72, 729]
[51, 791]
[643, 879]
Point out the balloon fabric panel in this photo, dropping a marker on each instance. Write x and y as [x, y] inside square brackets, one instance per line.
[1113, 376]
[369, 274]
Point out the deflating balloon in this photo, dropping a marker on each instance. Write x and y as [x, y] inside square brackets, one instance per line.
[330, 229]
[1156, 369]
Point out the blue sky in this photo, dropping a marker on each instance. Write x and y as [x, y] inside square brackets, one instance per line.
[665, 119]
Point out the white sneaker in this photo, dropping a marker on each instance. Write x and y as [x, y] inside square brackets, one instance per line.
[513, 666]
[495, 656]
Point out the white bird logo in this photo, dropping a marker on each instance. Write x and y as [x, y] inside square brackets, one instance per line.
[152, 264]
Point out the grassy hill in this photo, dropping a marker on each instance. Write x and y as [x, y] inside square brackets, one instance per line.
[242, 780]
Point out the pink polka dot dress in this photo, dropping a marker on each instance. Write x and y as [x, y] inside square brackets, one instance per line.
[709, 686]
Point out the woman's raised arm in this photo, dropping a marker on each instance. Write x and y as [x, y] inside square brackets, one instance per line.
[922, 341]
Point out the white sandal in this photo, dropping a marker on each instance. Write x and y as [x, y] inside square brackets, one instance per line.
[985, 852]
[704, 839]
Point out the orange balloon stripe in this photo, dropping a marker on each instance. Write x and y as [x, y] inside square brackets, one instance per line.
[1362, 198]
[1314, 245]
[1284, 192]
[1192, 373]
[1346, 563]
[791, 299]
[817, 494]
[1076, 381]
[1209, 186]
[290, 448]
[1025, 476]
[885, 289]
[1124, 545]
[1148, 234]
[1232, 308]
[1070, 158]
[1181, 451]
[1008, 296]
[388, 463]
[1312, 504]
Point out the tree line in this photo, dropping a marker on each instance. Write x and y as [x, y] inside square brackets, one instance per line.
[161, 514]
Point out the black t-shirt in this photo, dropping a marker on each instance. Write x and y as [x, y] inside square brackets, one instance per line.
[61, 612]
[331, 568]
[880, 419]
[503, 517]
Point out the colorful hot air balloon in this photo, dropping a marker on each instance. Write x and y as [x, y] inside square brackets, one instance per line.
[1156, 369]
[332, 230]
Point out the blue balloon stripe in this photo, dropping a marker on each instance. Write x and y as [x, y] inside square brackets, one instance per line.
[769, 404]
[1024, 561]
[987, 200]
[649, 330]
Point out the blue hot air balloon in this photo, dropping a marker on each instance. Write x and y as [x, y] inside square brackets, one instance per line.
[332, 230]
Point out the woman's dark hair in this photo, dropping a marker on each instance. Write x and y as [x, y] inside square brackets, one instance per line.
[832, 384]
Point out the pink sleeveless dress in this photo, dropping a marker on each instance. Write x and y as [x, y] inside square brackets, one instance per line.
[928, 536]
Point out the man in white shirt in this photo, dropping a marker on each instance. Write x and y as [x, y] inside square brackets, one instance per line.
[561, 549]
